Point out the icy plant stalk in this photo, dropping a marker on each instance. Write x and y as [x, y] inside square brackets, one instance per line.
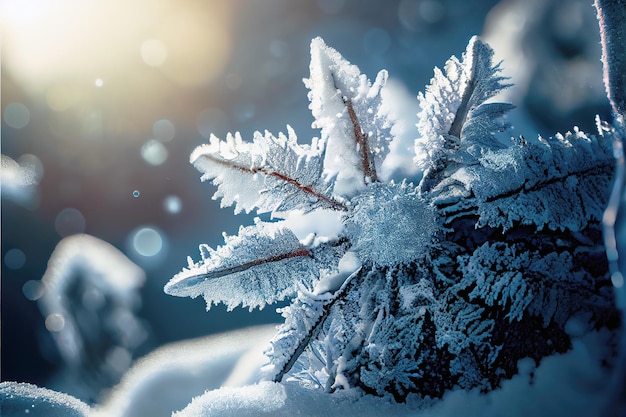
[418, 288]
[612, 20]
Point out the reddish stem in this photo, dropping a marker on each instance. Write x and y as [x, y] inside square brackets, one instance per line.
[369, 170]
[253, 170]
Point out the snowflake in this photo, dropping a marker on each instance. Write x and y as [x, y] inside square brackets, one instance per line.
[400, 288]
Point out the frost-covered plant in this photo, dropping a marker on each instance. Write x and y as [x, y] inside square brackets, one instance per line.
[494, 256]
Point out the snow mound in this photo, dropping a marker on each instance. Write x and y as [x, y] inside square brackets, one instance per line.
[22, 399]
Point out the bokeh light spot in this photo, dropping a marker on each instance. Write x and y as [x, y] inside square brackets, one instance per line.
[93, 299]
[69, 221]
[136, 193]
[212, 120]
[331, 6]
[119, 359]
[153, 52]
[32, 164]
[245, 112]
[147, 241]
[55, 322]
[409, 15]
[33, 289]
[431, 11]
[163, 130]
[16, 115]
[63, 96]
[14, 258]
[99, 82]
[154, 152]
[172, 204]
[376, 41]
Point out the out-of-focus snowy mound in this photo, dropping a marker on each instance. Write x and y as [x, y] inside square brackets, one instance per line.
[167, 379]
[90, 296]
[21, 399]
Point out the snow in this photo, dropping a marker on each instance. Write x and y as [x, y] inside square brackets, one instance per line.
[348, 264]
[21, 399]
[286, 400]
[167, 379]
[573, 384]
[315, 227]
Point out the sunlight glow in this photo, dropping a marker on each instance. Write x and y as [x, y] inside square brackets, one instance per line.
[49, 42]
[153, 52]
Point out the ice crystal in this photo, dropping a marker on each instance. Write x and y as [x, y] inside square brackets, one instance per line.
[423, 287]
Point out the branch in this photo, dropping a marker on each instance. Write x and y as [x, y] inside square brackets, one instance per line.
[317, 327]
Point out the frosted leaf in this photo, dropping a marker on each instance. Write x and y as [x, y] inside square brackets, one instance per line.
[347, 109]
[253, 268]
[271, 174]
[560, 182]
[455, 122]
[302, 319]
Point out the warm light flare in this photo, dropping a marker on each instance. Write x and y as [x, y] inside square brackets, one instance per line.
[46, 43]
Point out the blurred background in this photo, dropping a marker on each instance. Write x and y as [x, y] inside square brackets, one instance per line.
[103, 101]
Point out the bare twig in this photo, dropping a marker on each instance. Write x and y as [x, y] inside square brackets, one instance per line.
[317, 327]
